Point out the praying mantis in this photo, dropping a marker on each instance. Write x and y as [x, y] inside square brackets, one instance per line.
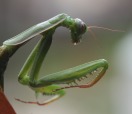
[51, 84]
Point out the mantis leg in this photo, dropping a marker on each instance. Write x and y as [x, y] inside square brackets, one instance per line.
[33, 65]
[48, 91]
[29, 72]
[47, 85]
[72, 75]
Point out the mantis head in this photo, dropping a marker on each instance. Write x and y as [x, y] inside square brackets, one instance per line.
[77, 30]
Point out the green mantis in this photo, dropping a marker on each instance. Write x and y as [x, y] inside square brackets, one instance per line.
[49, 84]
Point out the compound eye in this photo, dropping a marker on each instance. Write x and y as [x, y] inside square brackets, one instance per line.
[81, 27]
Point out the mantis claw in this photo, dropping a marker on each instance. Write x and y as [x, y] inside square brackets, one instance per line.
[38, 103]
[99, 74]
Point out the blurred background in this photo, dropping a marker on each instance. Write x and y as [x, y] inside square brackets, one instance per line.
[112, 94]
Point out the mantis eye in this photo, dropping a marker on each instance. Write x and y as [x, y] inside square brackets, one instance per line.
[78, 30]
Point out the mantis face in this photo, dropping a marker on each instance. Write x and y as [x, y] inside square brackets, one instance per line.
[78, 30]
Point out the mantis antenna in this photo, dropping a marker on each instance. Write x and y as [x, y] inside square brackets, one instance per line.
[104, 28]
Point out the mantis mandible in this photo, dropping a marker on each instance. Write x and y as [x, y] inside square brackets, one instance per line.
[49, 84]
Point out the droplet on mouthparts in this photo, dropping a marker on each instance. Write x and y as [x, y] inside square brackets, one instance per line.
[75, 43]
